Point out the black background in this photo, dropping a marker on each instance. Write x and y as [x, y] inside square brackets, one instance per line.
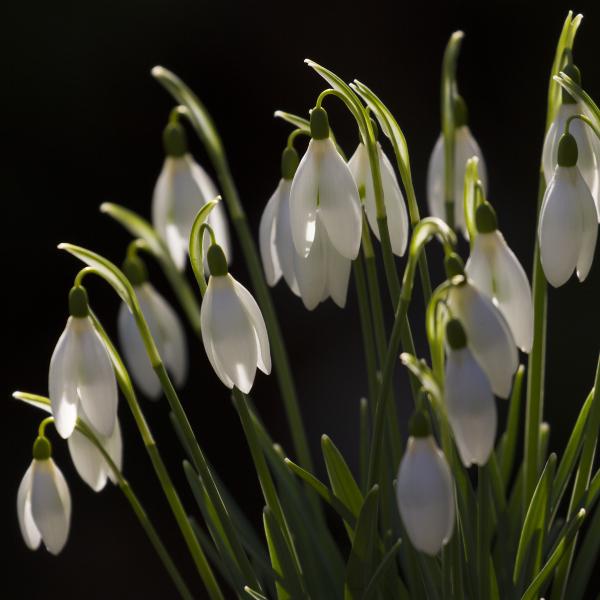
[81, 122]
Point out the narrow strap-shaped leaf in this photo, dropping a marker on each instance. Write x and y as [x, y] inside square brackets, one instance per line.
[360, 563]
[295, 120]
[254, 594]
[386, 563]
[586, 560]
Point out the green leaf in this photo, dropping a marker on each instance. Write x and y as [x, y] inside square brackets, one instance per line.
[424, 374]
[40, 402]
[254, 594]
[360, 562]
[586, 560]
[196, 243]
[470, 197]
[386, 563]
[295, 120]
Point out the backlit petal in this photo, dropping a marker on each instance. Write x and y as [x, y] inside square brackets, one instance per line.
[311, 272]
[266, 238]
[29, 531]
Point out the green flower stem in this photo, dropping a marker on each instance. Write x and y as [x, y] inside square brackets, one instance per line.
[201, 122]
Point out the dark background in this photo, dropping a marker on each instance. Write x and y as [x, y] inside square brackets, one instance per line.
[81, 123]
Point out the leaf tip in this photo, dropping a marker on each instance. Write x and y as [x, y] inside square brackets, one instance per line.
[157, 71]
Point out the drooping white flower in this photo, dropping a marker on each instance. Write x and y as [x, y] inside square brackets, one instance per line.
[88, 460]
[81, 374]
[275, 233]
[469, 399]
[497, 272]
[181, 190]
[165, 327]
[588, 161]
[395, 208]
[567, 228]
[489, 335]
[425, 492]
[465, 147]
[323, 190]
[44, 503]
[233, 329]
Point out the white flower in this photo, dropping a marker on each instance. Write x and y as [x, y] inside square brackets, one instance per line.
[567, 228]
[395, 208]
[465, 147]
[81, 376]
[425, 495]
[587, 162]
[233, 329]
[181, 190]
[469, 399]
[323, 191]
[489, 335]
[166, 329]
[44, 506]
[496, 271]
[88, 460]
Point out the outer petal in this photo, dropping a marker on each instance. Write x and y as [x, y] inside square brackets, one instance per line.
[488, 335]
[114, 447]
[231, 333]
[304, 197]
[97, 384]
[338, 274]
[435, 180]
[29, 530]
[471, 407]
[590, 228]
[339, 202]
[560, 227]
[311, 272]
[359, 167]
[162, 200]
[88, 461]
[258, 322]
[50, 504]
[62, 379]
[136, 358]
[283, 237]
[266, 238]
[425, 494]
[496, 271]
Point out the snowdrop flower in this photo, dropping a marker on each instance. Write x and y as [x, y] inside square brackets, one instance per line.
[567, 228]
[489, 334]
[81, 374]
[395, 207]
[165, 327]
[44, 502]
[181, 190]
[425, 490]
[465, 147]
[88, 460]
[324, 192]
[469, 399]
[496, 271]
[233, 329]
[275, 232]
[588, 161]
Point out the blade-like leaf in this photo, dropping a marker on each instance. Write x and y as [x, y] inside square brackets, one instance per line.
[386, 563]
[295, 120]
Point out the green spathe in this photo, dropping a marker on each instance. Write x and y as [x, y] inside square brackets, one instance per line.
[135, 270]
[289, 163]
[454, 265]
[455, 334]
[78, 302]
[319, 123]
[419, 425]
[174, 140]
[42, 448]
[217, 263]
[567, 151]
[485, 218]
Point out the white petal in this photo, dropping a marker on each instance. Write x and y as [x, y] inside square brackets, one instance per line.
[162, 199]
[50, 504]
[359, 167]
[425, 494]
[258, 322]
[266, 238]
[488, 335]
[339, 203]
[311, 272]
[303, 199]
[589, 229]
[435, 180]
[97, 384]
[283, 237]
[62, 379]
[114, 446]
[338, 274]
[88, 461]
[136, 357]
[231, 333]
[496, 271]
[560, 227]
[29, 531]
[471, 407]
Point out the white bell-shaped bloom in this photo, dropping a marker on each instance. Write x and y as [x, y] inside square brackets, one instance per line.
[167, 331]
[465, 147]
[496, 271]
[81, 376]
[588, 162]
[88, 460]
[44, 506]
[395, 208]
[567, 228]
[469, 400]
[425, 495]
[324, 191]
[489, 335]
[233, 329]
[181, 190]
